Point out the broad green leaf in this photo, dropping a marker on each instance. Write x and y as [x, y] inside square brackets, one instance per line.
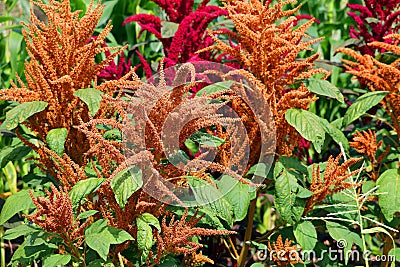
[260, 169]
[293, 163]
[20, 230]
[125, 183]
[237, 194]
[325, 88]
[362, 105]
[14, 204]
[303, 192]
[206, 139]
[8, 154]
[151, 220]
[336, 134]
[107, 11]
[389, 190]
[56, 140]
[144, 236]
[91, 97]
[169, 261]
[83, 188]
[257, 264]
[87, 214]
[168, 29]
[306, 235]
[208, 196]
[288, 206]
[344, 236]
[99, 237]
[308, 126]
[22, 112]
[56, 260]
[215, 87]
[396, 253]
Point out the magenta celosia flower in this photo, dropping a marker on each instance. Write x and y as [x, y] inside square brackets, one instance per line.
[114, 71]
[375, 20]
[190, 36]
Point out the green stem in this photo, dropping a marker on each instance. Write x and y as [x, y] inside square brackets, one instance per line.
[247, 235]
[358, 209]
[2, 248]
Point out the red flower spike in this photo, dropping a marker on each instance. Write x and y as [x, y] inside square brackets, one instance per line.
[147, 22]
[375, 20]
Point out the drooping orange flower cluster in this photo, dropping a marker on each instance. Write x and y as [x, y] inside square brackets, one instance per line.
[268, 46]
[379, 76]
[55, 214]
[62, 60]
[365, 143]
[335, 179]
[283, 254]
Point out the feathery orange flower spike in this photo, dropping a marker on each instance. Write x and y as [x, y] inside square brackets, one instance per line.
[61, 61]
[379, 76]
[283, 254]
[334, 180]
[54, 214]
[194, 259]
[268, 46]
[365, 143]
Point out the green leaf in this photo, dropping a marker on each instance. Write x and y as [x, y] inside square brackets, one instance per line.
[8, 154]
[215, 87]
[169, 261]
[237, 194]
[306, 235]
[125, 183]
[206, 139]
[56, 260]
[20, 230]
[336, 134]
[14, 204]
[107, 11]
[302, 120]
[345, 236]
[168, 29]
[91, 97]
[15, 40]
[87, 214]
[260, 169]
[208, 196]
[56, 140]
[83, 188]
[362, 105]
[325, 88]
[308, 126]
[22, 112]
[99, 237]
[396, 253]
[389, 190]
[113, 134]
[303, 192]
[286, 203]
[144, 234]
[150, 220]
